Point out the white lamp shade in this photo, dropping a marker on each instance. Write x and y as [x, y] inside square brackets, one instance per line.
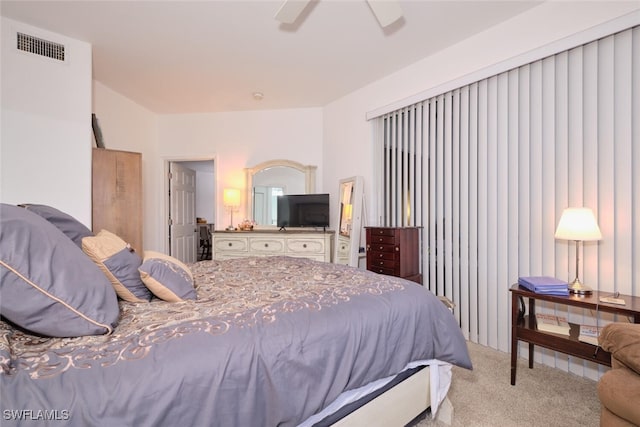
[231, 197]
[578, 224]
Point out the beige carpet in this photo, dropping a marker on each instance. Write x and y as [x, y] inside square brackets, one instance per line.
[542, 396]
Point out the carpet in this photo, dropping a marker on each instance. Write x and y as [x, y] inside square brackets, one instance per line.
[543, 396]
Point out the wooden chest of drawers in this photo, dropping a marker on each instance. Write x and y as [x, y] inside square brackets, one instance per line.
[394, 251]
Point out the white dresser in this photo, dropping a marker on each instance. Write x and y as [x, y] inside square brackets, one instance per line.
[316, 245]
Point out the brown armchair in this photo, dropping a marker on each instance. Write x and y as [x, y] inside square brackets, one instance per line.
[619, 388]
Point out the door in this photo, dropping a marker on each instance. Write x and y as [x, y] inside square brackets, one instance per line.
[182, 213]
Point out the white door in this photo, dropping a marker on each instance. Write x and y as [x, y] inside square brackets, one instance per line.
[182, 213]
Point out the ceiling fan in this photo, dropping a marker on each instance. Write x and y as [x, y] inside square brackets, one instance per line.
[386, 11]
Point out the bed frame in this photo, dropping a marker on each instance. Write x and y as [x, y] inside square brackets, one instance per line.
[399, 405]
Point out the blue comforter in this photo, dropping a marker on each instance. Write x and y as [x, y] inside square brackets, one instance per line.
[268, 342]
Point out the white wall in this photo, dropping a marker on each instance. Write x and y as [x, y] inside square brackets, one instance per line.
[127, 126]
[46, 139]
[205, 204]
[239, 140]
[347, 133]
[235, 140]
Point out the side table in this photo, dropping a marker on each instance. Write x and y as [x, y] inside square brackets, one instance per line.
[523, 326]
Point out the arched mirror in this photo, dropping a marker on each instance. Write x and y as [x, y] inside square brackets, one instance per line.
[351, 193]
[268, 180]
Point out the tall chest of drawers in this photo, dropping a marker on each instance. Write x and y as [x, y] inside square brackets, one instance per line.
[394, 251]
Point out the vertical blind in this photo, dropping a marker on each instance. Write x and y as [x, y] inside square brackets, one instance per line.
[487, 169]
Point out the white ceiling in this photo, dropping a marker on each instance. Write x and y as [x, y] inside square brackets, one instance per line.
[210, 56]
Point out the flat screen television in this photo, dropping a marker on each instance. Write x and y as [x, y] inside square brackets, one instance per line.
[303, 210]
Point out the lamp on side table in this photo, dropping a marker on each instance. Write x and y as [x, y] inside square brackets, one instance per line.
[578, 224]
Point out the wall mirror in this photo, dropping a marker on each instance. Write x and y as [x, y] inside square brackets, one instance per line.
[268, 180]
[351, 194]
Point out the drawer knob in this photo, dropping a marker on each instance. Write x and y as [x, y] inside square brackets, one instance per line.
[266, 245]
[230, 244]
[304, 245]
[380, 255]
[397, 248]
[381, 247]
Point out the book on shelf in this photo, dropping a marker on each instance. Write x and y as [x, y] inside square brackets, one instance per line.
[545, 285]
[589, 334]
[552, 323]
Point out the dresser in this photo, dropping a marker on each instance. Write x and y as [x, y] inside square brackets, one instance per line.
[394, 251]
[317, 245]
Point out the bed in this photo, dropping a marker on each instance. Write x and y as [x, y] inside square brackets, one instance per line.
[275, 341]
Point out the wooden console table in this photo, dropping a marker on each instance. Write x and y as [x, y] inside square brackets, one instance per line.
[523, 327]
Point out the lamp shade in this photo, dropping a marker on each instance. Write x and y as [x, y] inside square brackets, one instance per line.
[231, 197]
[578, 224]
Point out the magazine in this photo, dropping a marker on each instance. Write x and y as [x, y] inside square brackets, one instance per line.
[589, 334]
[552, 323]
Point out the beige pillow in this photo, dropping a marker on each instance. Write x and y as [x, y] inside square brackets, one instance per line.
[119, 263]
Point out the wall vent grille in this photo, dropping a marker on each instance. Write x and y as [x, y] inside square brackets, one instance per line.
[41, 47]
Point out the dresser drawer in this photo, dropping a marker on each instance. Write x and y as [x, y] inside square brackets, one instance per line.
[384, 240]
[343, 247]
[382, 231]
[305, 246]
[343, 250]
[313, 257]
[384, 263]
[382, 270]
[266, 246]
[382, 247]
[375, 255]
[231, 244]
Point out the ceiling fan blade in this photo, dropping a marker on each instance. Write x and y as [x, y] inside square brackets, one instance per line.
[386, 11]
[290, 10]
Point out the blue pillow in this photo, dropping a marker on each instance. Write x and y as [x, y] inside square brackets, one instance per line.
[70, 226]
[48, 285]
[167, 277]
[119, 262]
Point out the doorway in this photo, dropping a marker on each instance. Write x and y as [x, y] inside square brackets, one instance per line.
[190, 202]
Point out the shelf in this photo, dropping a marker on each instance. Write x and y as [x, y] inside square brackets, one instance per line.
[568, 344]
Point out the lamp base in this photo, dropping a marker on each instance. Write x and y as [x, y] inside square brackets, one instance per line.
[576, 287]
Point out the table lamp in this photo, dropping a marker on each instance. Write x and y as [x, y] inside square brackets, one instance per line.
[578, 224]
[231, 200]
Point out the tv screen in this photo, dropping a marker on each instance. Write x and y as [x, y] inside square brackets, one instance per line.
[303, 210]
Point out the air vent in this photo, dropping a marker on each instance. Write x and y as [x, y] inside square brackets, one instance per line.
[41, 47]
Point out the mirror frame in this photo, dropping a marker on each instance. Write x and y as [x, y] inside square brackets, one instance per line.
[357, 203]
[309, 172]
